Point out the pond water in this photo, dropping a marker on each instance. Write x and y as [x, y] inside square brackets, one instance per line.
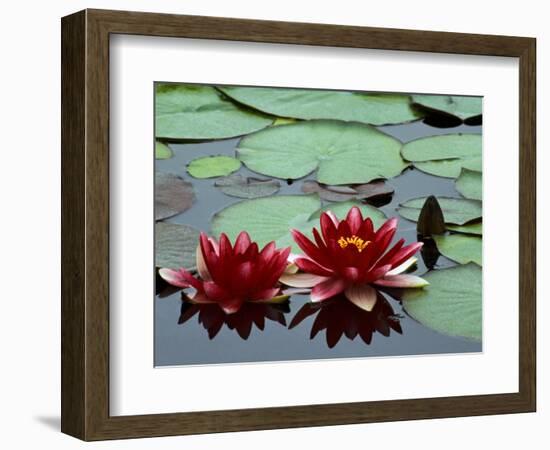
[344, 333]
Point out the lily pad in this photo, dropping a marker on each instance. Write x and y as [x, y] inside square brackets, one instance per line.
[247, 187]
[460, 248]
[371, 108]
[162, 151]
[201, 112]
[462, 107]
[342, 153]
[469, 228]
[469, 184]
[271, 218]
[445, 155]
[213, 166]
[457, 211]
[175, 245]
[173, 195]
[337, 193]
[451, 304]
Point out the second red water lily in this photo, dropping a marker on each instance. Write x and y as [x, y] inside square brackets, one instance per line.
[232, 275]
[350, 256]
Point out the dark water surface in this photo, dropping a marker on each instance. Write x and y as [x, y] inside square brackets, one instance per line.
[388, 329]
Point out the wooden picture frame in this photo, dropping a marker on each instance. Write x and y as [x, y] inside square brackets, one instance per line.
[85, 224]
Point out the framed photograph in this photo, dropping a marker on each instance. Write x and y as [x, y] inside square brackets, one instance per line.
[273, 224]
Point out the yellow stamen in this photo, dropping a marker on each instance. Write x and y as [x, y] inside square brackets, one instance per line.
[359, 243]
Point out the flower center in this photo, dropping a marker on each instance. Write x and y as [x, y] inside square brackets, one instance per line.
[359, 243]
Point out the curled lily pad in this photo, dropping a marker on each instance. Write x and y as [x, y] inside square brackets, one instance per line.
[445, 155]
[175, 245]
[342, 153]
[451, 303]
[430, 219]
[374, 189]
[185, 111]
[469, 228]
[162, 151]
[173, 195]
[463, 107]
[457, 211]
[271, 218]
[461, 248]
[371, 108]
[247, 187]
[469, 184]
[213, 166]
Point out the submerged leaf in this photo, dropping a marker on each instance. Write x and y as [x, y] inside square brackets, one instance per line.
[456, 211]
[342, 153]
[239, 186]
[460, 248]
[162, 151]
[201, 112]
[451, 304]
[371, 108]
[175, 245]
[463, 107]
[469, 184]
[213, 166]
[445, 155]
[430, 220]
[173, 195]
[374, 189]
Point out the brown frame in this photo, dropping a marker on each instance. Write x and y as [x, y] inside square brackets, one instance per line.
[85, 224]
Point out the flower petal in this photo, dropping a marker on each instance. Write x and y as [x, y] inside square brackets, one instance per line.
[302, 280]
[291, 269]
[354, 219]
[201, 265]
[405, 253]
[309, 266]
[242, 242]
[403, 267]
[309, 248]
[174, 278]
[328, 288]
[402, 281]
[362, 295]
[231, 306]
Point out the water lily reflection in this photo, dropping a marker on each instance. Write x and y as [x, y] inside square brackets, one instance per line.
[343, 318]
[212, 317]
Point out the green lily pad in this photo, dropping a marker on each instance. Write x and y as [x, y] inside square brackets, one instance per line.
[175, 245]
[246, 187]
[213, 166]
[457, 211]
[162, 151]
[460, 248]
[271, 218]
[451, 303]
[459, 106]
[371, 108]
[469, 228]
[173, 195]
[201, 112]
[342, 153]
[469, 184]
[445, 155]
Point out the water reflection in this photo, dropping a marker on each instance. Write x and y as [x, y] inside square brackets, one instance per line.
[213, 318]
[339, 317]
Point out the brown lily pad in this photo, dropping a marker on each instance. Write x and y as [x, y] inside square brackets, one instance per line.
[247, 187]
[372, 190]
[173, 195]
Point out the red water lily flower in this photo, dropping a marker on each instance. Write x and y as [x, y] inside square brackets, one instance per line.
[350, 256]
[230, 276]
